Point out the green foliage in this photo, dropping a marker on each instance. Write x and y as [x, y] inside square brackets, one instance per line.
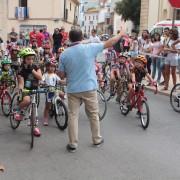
[130, 10]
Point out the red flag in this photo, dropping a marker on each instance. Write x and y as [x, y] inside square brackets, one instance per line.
[175, 3]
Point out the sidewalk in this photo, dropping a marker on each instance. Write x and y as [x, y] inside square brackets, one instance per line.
[160, 87]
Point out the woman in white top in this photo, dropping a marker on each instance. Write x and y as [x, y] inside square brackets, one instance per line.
[171, 61]
[156, 47]
[146, 48]
[134, 46]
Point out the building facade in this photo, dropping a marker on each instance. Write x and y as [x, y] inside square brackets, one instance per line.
[90, 20]
[153, 11]
[24, 14]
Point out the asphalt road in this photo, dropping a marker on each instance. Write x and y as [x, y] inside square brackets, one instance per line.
[129, 152]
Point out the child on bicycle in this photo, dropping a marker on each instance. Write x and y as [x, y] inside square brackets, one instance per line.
[28, 78]
[115, 74]
[137, 74]
[14, 53]
[50, 78]
[6, 72]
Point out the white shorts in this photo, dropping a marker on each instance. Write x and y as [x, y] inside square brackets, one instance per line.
[171, 61]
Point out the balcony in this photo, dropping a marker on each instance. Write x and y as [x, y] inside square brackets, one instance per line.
[21, 13]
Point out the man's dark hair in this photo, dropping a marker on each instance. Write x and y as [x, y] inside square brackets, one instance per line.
[75, 35]
[166, 28]
[41, 30]
[93, 31]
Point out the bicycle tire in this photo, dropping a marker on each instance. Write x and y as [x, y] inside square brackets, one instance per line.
[172, 99]
[32, 122]
[102, 97]
[123, 103]
[64, 112]
[6, 95]
[14, 124]
[145, 124]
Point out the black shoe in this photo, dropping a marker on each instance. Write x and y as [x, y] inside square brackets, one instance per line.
[138, 114]
[71, 149]
[99, 144]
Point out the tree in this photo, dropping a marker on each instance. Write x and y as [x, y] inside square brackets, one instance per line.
[130, 10]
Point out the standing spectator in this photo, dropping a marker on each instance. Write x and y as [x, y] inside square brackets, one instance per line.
[156, 61]
[33, 35]
[26, 36]
[13, 36]
[40, 38]
[171, 61]
[57, 40]
[165, 40]
[20, 41]
[146, 48]
[1, 47]
[142, 39]
[126, 43]
[47, 37]
[64, 34]
[78, 65]
[134, 46]
[94, 38]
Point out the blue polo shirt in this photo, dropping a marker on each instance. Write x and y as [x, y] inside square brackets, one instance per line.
[78, 63]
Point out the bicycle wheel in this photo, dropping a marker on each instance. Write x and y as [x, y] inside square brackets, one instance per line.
[102, 105]
[61, 114]
[106, 91]
[123, 103]
[32, 124]
[144, 114]
[6, 103]
[14, 124]
[175, 98]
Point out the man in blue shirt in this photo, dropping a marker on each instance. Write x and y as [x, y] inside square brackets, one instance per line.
[77, 64]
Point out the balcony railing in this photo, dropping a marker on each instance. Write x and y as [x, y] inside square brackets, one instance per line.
[22, 13]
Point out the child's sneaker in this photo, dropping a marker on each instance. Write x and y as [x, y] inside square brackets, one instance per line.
[45, 122]
[37, 132]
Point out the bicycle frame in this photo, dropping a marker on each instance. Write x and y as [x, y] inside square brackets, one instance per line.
[3, 90]
[137, 97]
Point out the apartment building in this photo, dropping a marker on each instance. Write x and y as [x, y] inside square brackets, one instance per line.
[90, 20]
[153, 11]
[24, 14]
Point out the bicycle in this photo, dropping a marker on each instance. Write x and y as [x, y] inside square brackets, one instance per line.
[58, 108]
[175, 98]
[30, 113]
[102, 105]
[138, 101]
[5, 98]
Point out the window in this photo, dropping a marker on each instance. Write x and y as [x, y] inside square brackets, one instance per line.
[66, 17]
[70, 7]
[97, 17]
[89, 29]
[178, 14]
[22, 3]
[93, 17]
